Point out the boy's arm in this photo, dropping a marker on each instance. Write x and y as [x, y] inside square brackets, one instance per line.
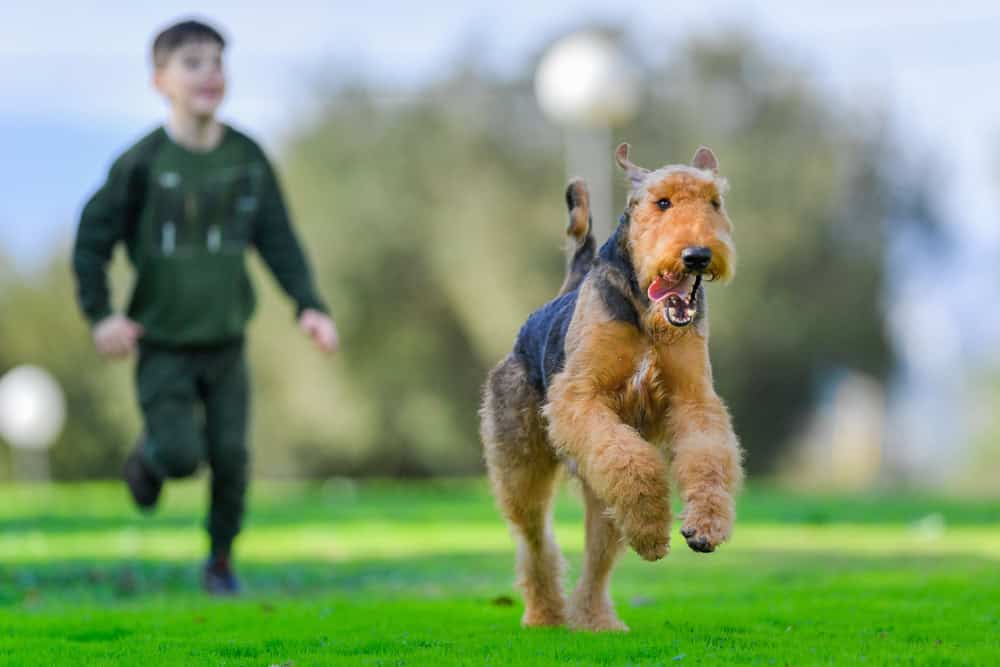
[279, 247]
[102, 225]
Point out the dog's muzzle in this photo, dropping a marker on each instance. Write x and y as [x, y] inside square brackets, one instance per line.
[678, 294]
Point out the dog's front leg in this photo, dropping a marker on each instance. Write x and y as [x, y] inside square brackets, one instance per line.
[706, 453]
[626, 472]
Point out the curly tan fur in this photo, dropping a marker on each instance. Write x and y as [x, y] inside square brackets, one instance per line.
[632, 405]
[523, 470]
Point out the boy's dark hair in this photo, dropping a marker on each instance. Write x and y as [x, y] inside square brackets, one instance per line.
[179, 34]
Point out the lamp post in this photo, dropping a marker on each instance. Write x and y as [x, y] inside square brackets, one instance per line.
[585, 84]
[32, 413]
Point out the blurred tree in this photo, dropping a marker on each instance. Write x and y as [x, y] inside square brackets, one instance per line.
[435, 224]
[434, 220]
[810, 190]
[41, 325]
[438, 218]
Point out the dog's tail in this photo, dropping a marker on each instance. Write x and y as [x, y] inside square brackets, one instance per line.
[581, 247]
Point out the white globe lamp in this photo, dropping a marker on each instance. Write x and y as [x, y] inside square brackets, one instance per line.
[587, 85]
[32, 414]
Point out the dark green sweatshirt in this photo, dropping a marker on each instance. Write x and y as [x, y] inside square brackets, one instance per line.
[187, 219]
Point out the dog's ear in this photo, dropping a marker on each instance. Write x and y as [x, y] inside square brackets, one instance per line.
[704, 158]
[634, 174]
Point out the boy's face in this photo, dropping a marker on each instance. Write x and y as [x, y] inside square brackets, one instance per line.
[192, 78]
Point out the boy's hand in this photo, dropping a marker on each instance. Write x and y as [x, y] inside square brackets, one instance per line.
[115, 336]
[320, 327]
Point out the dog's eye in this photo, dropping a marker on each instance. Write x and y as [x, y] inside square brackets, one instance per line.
[716, 204]
[664, 204]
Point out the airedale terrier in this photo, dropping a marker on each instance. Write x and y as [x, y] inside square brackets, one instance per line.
[612, 378]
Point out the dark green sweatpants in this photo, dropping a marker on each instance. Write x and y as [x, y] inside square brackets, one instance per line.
[195, 403]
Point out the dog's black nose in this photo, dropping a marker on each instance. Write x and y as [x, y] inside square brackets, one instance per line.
[696, 258]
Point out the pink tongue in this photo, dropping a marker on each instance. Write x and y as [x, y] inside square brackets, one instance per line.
[659, 289]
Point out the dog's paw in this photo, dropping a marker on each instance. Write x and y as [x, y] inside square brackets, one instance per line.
[592, 611]
[597, 623]
[650, 540]
[542, 618]
[697, 542]
[650, 548]
[707, 525]
[646, 527]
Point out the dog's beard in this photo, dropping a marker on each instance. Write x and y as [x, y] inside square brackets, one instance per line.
[679, 296]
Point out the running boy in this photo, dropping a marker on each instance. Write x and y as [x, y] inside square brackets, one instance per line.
[187, 201]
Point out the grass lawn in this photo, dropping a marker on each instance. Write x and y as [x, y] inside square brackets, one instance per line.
[420, 574]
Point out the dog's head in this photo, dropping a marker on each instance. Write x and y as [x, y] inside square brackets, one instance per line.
[679, 232]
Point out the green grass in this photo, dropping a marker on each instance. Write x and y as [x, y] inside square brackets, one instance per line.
[420, 574]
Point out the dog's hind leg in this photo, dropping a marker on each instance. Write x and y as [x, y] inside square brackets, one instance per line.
[582, 246]
[523, 471]
[590, 606]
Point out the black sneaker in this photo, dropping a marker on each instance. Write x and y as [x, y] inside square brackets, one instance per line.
[218, 577]
[145, 487]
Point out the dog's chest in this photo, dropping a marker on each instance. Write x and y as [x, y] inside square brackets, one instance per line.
[643, 398]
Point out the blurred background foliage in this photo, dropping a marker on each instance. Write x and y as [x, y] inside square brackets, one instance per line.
[434, 220]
